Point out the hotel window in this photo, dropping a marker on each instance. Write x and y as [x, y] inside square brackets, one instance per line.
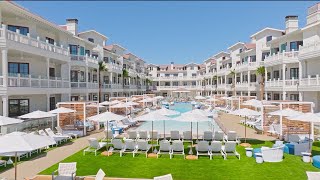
[74, 76]
[106, 79]
[238, 78]
[82, 76]
[52, 103]
[167, 83]
[194, 74]
[269, 38]
[18, 107]
[264, 55]
[91, 40]
[89, 77]
[253, 58]
[185, 83]
[294, 73]
[18, 68]
[283, 47]
[240, 50]
[95, 55]
[276, 74]
[167, 75]
[73, 49]
[276, 96]
[106, 59]
[94, 97]
[175, 75]
[230, 81]
[87, 52]
[50, 40]
[23, 30]
[82, 52]
[294, 97]
[52, 72]
[74, 98]
[293, 46]
[95, 78]
[175, 83]
[253, 78]
[268, 75]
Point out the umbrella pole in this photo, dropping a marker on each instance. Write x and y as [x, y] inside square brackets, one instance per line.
[15, 166]
[309, 136]
[245, 129]
[197, 130]
[107, 133]
[164, 129]
[152, 137]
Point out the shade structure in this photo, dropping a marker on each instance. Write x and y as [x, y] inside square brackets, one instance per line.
[245, 112]
[226, 98]
[212, 100]
[159, 97]
[121, 105]
[106, 116]
[22, 142]
[62, 110]
[37, 115]
[146, 100]
[107, 103]
[307, 117]
[253, 102]
[131, 103]
[199, 98]
[7, 121]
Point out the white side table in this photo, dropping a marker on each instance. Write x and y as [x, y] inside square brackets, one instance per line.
[249, 152]
[306, 157]
[259, 158]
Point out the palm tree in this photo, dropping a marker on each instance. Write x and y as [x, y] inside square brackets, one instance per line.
[125, 74]
[215, 79]
[233, 86]
[102, 68]
[261, 72]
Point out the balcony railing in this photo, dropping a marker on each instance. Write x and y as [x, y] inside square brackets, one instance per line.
[84, 85]
[33, 42]
[310, 81]
[310, 47]
[89, 59]
[18, 80]
[282, 83]
[284, 57]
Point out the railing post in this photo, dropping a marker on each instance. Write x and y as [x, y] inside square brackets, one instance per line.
[29, 38]
[30, 83]
[38, 40]
[317, 78]
[309, 80]
[18, 83]
[39, 80]
[56, 82]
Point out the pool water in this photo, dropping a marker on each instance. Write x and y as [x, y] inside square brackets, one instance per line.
[181, 126]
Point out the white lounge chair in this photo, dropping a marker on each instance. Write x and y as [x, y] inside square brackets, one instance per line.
[63, 138]
[154, 136]
[65, 170]
[232, 136]
[60, 132]
[143, 146]
[313, 175]
[99, 176]
[129, 147]
[187, 137]
[216, 149]
[230, 149]
[143, 135]
[218, 136]
[164, 177]
[272, 154]
[175, 135]
[94, 146]
[177, 148]
[57, 140]
[203, 149]
[208, 135]
[118, 146]
[132, 135]
[165, 148]
[108, 135]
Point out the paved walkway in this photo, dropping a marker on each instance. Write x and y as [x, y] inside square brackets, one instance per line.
[32, 167]
[231, 123]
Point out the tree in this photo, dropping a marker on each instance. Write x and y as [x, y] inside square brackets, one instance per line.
[233, 86]
[102, 68]
[261, 72]
[125, 74]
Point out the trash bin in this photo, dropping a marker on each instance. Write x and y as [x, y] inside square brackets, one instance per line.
[259, 158]
[249, 152]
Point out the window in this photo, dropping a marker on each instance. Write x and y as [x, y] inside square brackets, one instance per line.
[269, 38]
[23, 30]
[293, 46]
[18, 107]
[175, 83]
[82, 52]
[87, 52]
[185, 83]
[276, 96]
[106, 79]
[294, 97]
[50, 40]
[95, 55]
[175, 75]
[106, 59]
[253, 78]
[230, 81]
[264, 55]
[82, 76]
[283, 47]
[276, 74]
[52, 103]
[95, 78]
[73, 49]
[91, 40]
[74, 98]
[89, 76]
[240, 50]
[167, 75]
[294, 73]
[74, 76]
[18, 68]
[52, 72]
[167, 83]
[194, 74]
[253, 58]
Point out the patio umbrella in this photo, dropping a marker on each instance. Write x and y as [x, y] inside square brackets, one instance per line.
[131, 103]
[245, 112]
[199, 98]
[38, 115]
[166, 112]
[146, 100]
[253, 102]
[7, 120]
[152, 116]
[22, 142]
[107, 103]
[307, 117]
[159, 97]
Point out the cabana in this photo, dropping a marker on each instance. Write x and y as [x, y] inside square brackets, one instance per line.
[76, 122]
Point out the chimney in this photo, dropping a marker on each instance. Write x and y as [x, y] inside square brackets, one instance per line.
[171, 66]
[292, 24]
[72, 26]
[313, 14]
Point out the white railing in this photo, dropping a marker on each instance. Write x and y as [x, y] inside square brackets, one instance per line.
[310, 47]
[115, 67]
[89, 59]
[17, 80]
[34, 42]
[246, 65]
[284, 56]
[281, 83]
[310, 81]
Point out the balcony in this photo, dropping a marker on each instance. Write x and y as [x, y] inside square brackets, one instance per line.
[116, 68]
[28, 44]
[309, 51]
[245, 86]
[281, 58]
[279, 85]
[224, 71]
[78, 60]
[17, 80]
[84, 85]
[190, 87]
[311, 83]
[172, 78]
[247, 66]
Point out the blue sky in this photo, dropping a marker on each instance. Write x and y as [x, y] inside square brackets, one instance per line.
[161, 32]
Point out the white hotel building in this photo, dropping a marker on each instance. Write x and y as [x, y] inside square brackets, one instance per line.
[291, 57]
[43, 63]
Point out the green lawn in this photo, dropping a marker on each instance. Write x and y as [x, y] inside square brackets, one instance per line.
[292, 167]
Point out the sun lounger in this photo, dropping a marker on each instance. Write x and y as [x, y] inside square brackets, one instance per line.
[99, 176]
[218, 136]
[154, 136]
[313, 175]
[164, 177]
[108, 135]
[187, 137]
[216, 149]
[177, 148]
[203, 149]
[165, 148]
[174, 135]
[207, 135]
[62, 137]
[143, 135]
[143, 146]
[117, 145]
[129, 147]
[232, 136]
[94, 146]
[65, 170]
[60, 132]
[57, 140]
[132, 135]
[230, 149]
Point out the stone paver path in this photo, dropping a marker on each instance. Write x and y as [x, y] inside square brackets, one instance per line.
[231, 123]
[32, 167]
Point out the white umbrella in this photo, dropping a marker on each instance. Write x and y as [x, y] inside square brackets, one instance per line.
[166, 112]
[38, 115]
[147, 100]
[212, 100]
[107, 103]
[199, 97]
[62, 110]
[245, 112]
[131, 103]
[22, 142]
[253, 102]
[307, 117]
[159, 97]
[121, 105]
[7, 120]
[226, 98]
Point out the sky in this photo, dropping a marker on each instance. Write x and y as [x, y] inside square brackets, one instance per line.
[179, 32]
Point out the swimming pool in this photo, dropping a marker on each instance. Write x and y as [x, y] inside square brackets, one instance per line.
[181, 126]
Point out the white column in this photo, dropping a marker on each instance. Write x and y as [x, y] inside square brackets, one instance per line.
[48, 102]
[265, 78]
[283, 81]
[48, 72]
[5, 106]
[4, 53]
[241, 78]
[249, 81]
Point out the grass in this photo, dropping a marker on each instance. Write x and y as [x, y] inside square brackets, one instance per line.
[292, 166]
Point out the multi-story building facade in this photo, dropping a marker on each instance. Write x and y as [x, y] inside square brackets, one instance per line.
[43, 63]
[290, 57]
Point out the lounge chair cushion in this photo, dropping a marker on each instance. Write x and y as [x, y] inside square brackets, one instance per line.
[316, 161]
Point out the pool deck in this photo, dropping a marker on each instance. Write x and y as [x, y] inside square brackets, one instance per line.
[232, 123]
